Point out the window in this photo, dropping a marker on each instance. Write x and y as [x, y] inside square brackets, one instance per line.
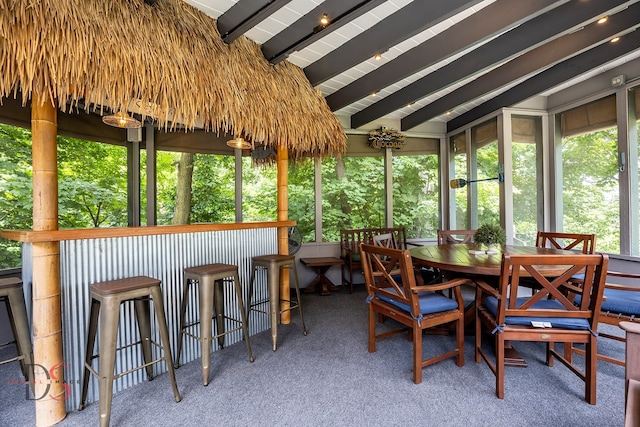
[484, 139]
[590, 183]
[259, 191]
[416, 188]
[352, 195]
[302, 198]
[458, 208]
[526, 137]
[213, 189]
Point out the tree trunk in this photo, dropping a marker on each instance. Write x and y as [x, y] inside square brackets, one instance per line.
[183, 193]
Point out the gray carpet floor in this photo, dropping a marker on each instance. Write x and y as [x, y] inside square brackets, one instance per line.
[328, 378]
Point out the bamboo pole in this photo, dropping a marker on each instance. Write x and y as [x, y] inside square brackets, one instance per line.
[283, 235]
[46, 317]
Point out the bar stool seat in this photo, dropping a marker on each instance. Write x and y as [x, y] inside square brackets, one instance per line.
[273, 264]
[12, 294]
[210, 278]
[106, 298]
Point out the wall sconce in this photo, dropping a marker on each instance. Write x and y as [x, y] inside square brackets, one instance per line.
[240, 143]
[121, 120]
[460, 183]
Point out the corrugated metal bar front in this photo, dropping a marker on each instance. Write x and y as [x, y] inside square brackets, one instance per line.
[164, 257]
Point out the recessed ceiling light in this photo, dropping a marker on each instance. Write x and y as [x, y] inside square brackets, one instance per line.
[615, 39]
[377, 56]
[374, 93]
[324, 21]
[603, 20]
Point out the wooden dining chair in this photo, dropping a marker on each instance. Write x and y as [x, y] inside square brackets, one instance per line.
[385, 240]
[448, 237]
[393, 293]
[621, 302]
[585, 243]
[540, 318]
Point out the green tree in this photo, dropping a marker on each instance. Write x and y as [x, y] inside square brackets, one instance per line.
[16, 195]
[590, 193]
[415, 195]
[92, 180]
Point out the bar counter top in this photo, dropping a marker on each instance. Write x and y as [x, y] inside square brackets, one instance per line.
[31, 236]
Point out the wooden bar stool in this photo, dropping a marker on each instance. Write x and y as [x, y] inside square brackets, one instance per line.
[106, 298]
[274, 264]
[210, 278]
[12, 295]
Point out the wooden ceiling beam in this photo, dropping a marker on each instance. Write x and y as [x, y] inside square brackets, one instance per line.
[526, 36]
[400, 26]
[307, 30]
[551, 53]
[244, 15]
[556, 75]
[482, 25]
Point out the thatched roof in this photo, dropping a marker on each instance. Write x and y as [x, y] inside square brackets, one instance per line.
[165, 61]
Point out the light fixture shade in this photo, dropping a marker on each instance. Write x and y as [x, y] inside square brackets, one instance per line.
[240, 143]
[121, 120]
[458, 183]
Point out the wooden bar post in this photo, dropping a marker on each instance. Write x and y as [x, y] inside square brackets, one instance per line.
[46, 317]
[283, 235]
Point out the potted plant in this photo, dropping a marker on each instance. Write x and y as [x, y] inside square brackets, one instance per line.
[490, 235]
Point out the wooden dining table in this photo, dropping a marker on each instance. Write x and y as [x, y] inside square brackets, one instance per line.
[468, 260]
[464, 258]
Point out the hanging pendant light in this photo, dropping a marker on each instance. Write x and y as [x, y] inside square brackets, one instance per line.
[121, 120]
[239, 143]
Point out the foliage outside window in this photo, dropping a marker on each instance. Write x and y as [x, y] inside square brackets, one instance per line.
[213, 189]
[302, 198]
[526, 132]
[590, 187]
[415, 195]
[484, 139]
[92, 189]
[459, 196]
[590, 181]
[259, 191]
[352, 195]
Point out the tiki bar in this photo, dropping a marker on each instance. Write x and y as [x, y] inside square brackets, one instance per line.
[424, 162]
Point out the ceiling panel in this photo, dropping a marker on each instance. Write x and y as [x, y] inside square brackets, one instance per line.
[442, 60]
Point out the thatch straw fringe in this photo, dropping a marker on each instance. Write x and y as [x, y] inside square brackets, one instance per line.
[166, 62]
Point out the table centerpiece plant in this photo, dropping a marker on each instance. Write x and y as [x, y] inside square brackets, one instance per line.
[490, 235]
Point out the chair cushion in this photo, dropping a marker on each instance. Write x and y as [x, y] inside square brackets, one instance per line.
[430, 302]
[619, 301]
[557, 322]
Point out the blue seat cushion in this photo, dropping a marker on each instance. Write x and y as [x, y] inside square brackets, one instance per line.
[619, 301]
[430, 302]
[557, 322]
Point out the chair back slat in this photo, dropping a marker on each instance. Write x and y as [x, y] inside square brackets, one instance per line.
[386, 240]
[559, 288]
[389, 272]
[448, 237]
[586, 243]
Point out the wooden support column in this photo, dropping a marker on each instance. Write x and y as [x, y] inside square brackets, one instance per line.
[283, 235]
[46, 317]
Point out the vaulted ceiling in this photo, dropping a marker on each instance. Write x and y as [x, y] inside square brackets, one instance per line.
[450, 61]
